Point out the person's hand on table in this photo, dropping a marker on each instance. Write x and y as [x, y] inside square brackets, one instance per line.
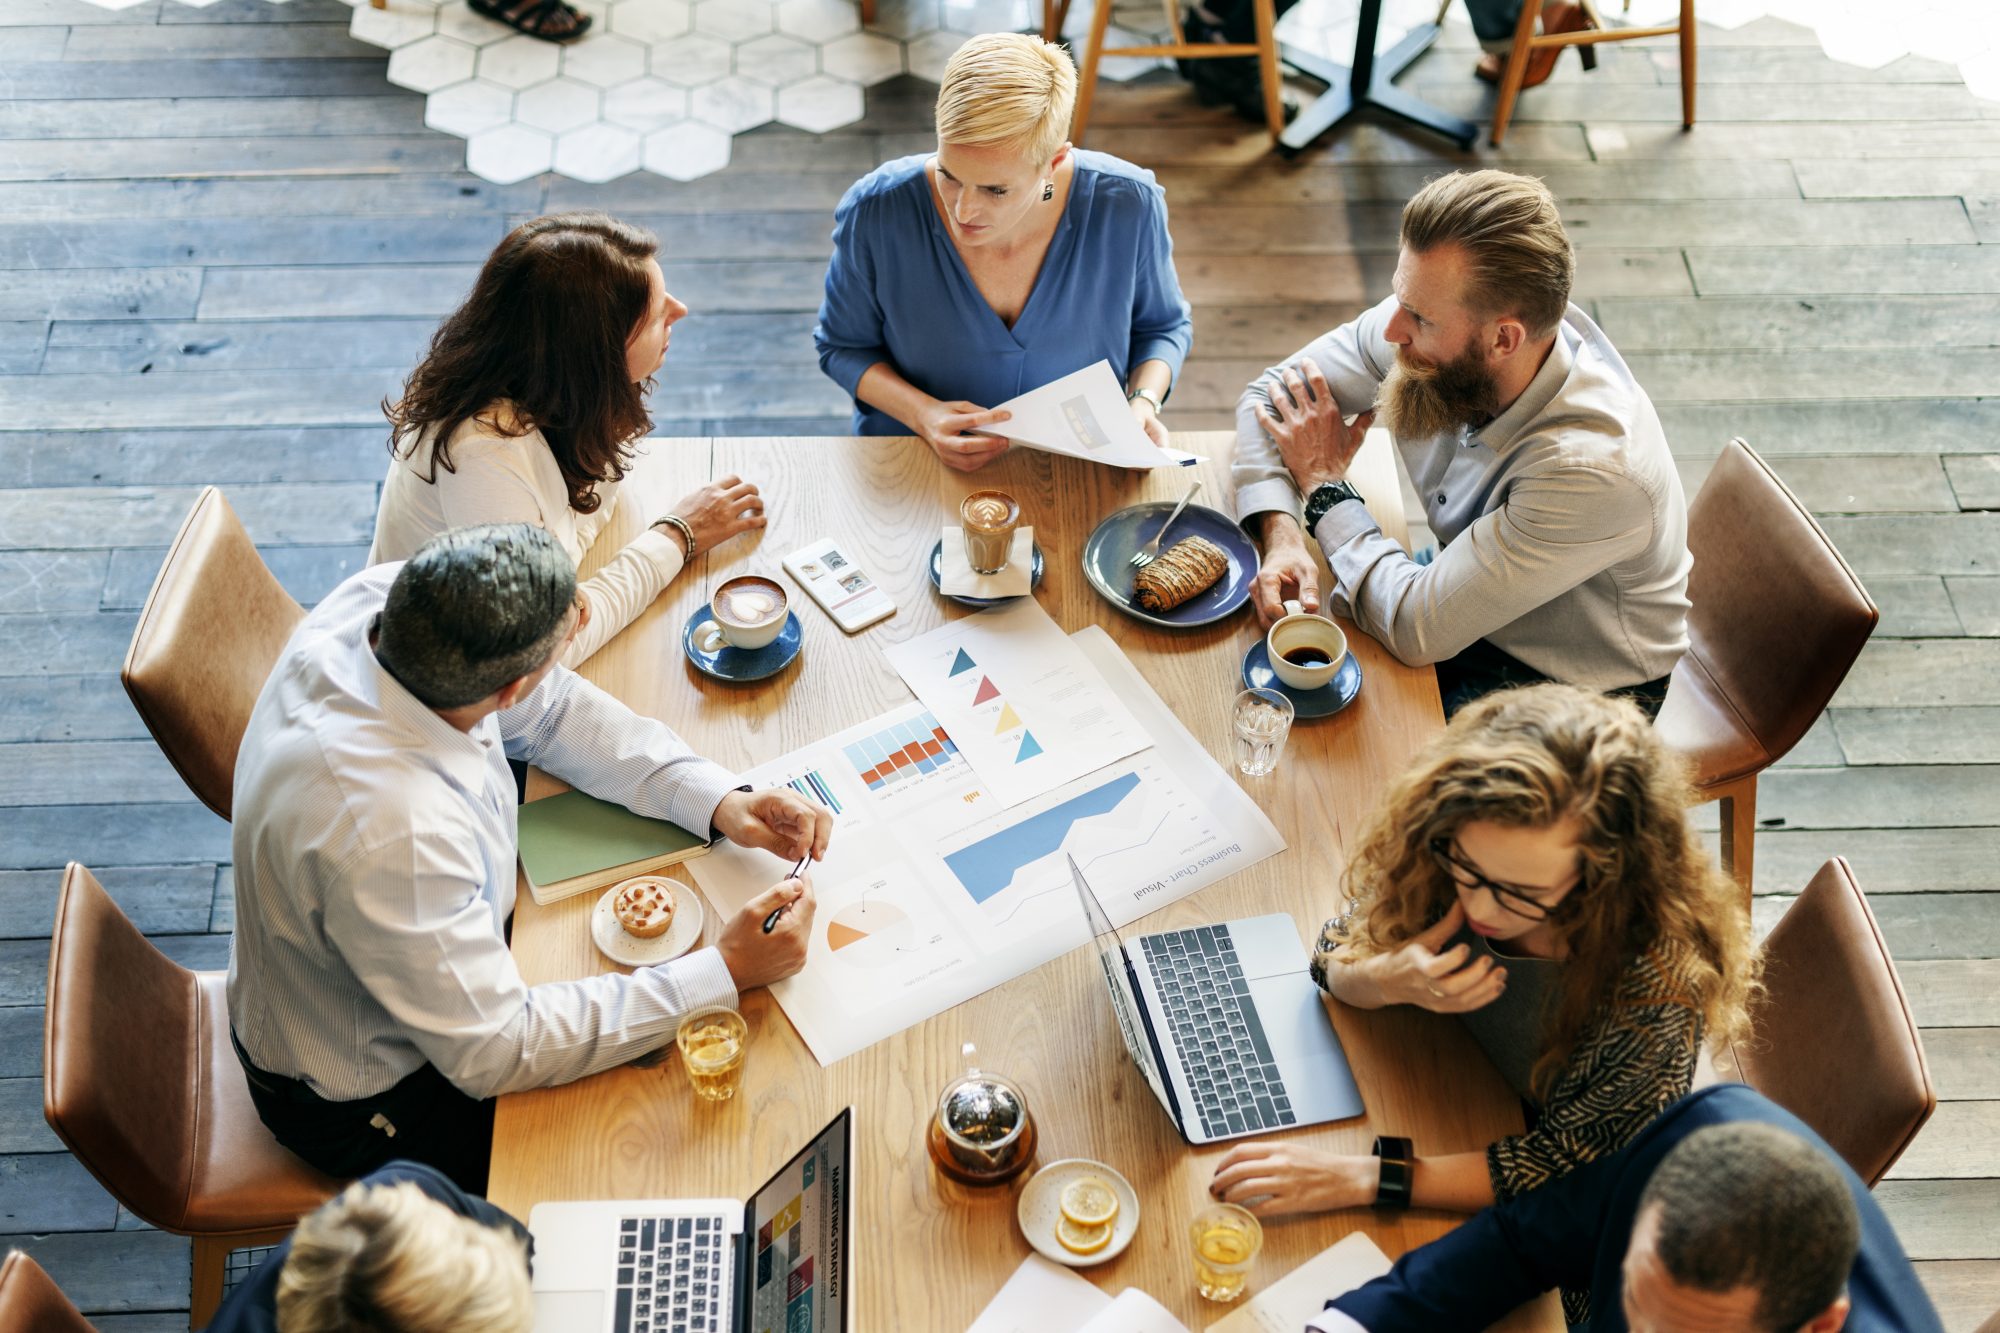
[950, 429]
[757, 959]
[720, 510]
[1272, 1179]
[1304, 421]
[1286, 571]
[1445, 983]
[776, 819]
[1149, 421]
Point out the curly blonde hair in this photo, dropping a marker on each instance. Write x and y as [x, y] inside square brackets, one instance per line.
[1528, 758]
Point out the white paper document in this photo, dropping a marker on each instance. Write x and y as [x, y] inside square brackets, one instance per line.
[934, 891]
[1043, 1297]
[1022, 701]
[1285, 1305]
[1084, 415]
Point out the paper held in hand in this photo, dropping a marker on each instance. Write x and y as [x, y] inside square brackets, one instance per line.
[1285, 1305]
[1084, 415]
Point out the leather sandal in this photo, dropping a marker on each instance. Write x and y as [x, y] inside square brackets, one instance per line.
[536, 20]
[1558, 16]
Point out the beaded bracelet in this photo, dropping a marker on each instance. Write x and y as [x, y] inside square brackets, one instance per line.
[680, 525]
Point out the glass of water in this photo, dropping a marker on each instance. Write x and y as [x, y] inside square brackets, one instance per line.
[1262, 720]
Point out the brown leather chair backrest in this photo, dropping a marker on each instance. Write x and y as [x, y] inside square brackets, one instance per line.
[1833, 1039]
[211, 631]
[119, 1054]
[1777, 620]
[30, 1301]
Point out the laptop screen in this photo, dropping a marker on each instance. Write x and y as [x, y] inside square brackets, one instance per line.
[801, 1224]
[1111, 957]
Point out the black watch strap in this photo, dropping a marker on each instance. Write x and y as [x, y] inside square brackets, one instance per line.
[1324, 497]
[1399, 1169]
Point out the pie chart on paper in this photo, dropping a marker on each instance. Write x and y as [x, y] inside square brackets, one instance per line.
[866, 934]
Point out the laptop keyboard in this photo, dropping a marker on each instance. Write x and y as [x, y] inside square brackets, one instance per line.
[1229, 1064]
[671, 1275]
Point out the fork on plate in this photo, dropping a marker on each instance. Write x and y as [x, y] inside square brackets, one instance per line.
[1150, 552]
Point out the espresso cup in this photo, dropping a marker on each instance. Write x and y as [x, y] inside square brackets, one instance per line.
[1306, 649]
[747, 612]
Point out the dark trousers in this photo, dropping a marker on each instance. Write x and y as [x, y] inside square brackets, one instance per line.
[1481, 669]
[421, 1119]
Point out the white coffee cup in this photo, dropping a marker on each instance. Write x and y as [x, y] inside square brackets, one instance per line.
[1302, 633]
[747, 612]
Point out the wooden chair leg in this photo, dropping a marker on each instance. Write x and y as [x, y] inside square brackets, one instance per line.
[1687, 64]
[867, 12]
[211, 1257]
[1515, 73]
[1267, 66]
[1739, 832]
[1087, 85]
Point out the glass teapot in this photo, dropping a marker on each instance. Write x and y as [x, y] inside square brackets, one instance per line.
[982, 1133]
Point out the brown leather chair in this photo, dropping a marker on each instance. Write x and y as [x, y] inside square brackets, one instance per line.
[30, 1301]
[1832, 1039]
[141, 1083]
[1777, 620]
[212, 628]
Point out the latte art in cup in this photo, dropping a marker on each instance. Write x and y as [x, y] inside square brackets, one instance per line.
[749, 601]
[989, 518]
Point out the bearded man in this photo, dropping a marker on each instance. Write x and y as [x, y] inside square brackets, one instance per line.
[1561, 524]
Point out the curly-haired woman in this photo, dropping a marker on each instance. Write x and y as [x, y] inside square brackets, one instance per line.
[1535, 874]
[528, 407]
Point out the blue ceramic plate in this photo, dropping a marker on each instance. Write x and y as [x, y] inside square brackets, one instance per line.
[1107, 561]
[741, 664]
[937, 578]
[1325, 701]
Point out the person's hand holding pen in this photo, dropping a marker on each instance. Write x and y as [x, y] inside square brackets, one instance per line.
[766, 941]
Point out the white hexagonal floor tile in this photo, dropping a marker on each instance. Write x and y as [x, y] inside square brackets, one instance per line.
[777, 59]
[907, 19]
[467, 108]
[733, 20]
[863, 58]
[461, 24]
[685, 152]
[974, 16]
[734, 104]
[597, 153]
[430, 64]
[818, 20]
[604, 60]
[519, 62]
[399, 24]
[646, 105]
[558, 105]
[651, 21]
[928, 54]
[820, 104]
[508, 154]
[692, 60]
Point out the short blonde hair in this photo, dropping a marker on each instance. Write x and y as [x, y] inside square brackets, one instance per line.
[1520, 258]
[391, 1259]
[1008, 89]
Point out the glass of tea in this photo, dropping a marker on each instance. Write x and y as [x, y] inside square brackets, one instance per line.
[989, 519]
[712, 1042]
[982, 1133]
[1226, 1240]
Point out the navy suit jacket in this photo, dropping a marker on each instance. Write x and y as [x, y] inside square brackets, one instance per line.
[253, 1306]
[1574, 1232]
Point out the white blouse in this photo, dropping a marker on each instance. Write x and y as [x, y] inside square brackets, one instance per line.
[501, 479]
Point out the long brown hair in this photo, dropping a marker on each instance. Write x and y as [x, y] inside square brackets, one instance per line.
[544, 329]
[1528, 758]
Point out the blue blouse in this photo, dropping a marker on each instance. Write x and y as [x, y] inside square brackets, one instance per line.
[897, 291]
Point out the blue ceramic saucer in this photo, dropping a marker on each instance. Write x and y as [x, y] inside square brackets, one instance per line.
[1107, 561]
[937, 579]
[1325, 701]
[742, 664]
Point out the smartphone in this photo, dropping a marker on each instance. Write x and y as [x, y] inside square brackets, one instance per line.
[835, 580]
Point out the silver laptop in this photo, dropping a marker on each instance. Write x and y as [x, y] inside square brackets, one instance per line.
[779, 1262]
[1225, 1023]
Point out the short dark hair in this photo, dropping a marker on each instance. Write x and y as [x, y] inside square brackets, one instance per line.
[1520, 261]
[474, 609]
[1750, 1205]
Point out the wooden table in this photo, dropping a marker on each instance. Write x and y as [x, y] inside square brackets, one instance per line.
[930, 1253]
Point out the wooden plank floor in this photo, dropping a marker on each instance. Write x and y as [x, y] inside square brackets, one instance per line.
[219, 247]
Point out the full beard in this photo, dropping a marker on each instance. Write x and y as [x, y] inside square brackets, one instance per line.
[1418, 401]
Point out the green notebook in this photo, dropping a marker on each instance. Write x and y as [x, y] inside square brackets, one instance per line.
[574, 843]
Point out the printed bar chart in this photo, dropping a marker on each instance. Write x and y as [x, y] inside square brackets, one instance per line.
[814, 787]
[902, 751]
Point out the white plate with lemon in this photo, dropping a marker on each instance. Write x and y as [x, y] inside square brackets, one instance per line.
[1079, 1212]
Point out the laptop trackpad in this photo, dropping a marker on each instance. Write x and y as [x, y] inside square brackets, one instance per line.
[1303, 1041]
[568, 1311]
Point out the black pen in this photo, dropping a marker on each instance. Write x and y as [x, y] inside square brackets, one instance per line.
[771, 921]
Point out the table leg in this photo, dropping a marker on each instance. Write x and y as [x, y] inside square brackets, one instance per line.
[1368, 82]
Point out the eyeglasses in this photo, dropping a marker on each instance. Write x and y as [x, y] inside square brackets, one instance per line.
[1467, 875]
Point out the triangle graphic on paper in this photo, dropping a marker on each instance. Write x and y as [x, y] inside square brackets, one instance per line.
[839, 936]
[987, 690]
[1009, 719]
[1028, 748]
[962, 663]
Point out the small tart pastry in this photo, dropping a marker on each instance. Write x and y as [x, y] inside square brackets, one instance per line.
[644, 908]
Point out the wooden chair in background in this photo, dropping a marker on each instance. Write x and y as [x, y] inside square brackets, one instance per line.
[1527, 41]
[1265, 48]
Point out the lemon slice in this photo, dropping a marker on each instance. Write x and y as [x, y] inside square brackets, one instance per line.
[1089, 1201]
[1082, 1240]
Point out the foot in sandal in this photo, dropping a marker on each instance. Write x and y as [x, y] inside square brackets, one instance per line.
[550, 20]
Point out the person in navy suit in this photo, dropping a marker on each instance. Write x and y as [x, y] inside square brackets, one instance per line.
[1726, 1215]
